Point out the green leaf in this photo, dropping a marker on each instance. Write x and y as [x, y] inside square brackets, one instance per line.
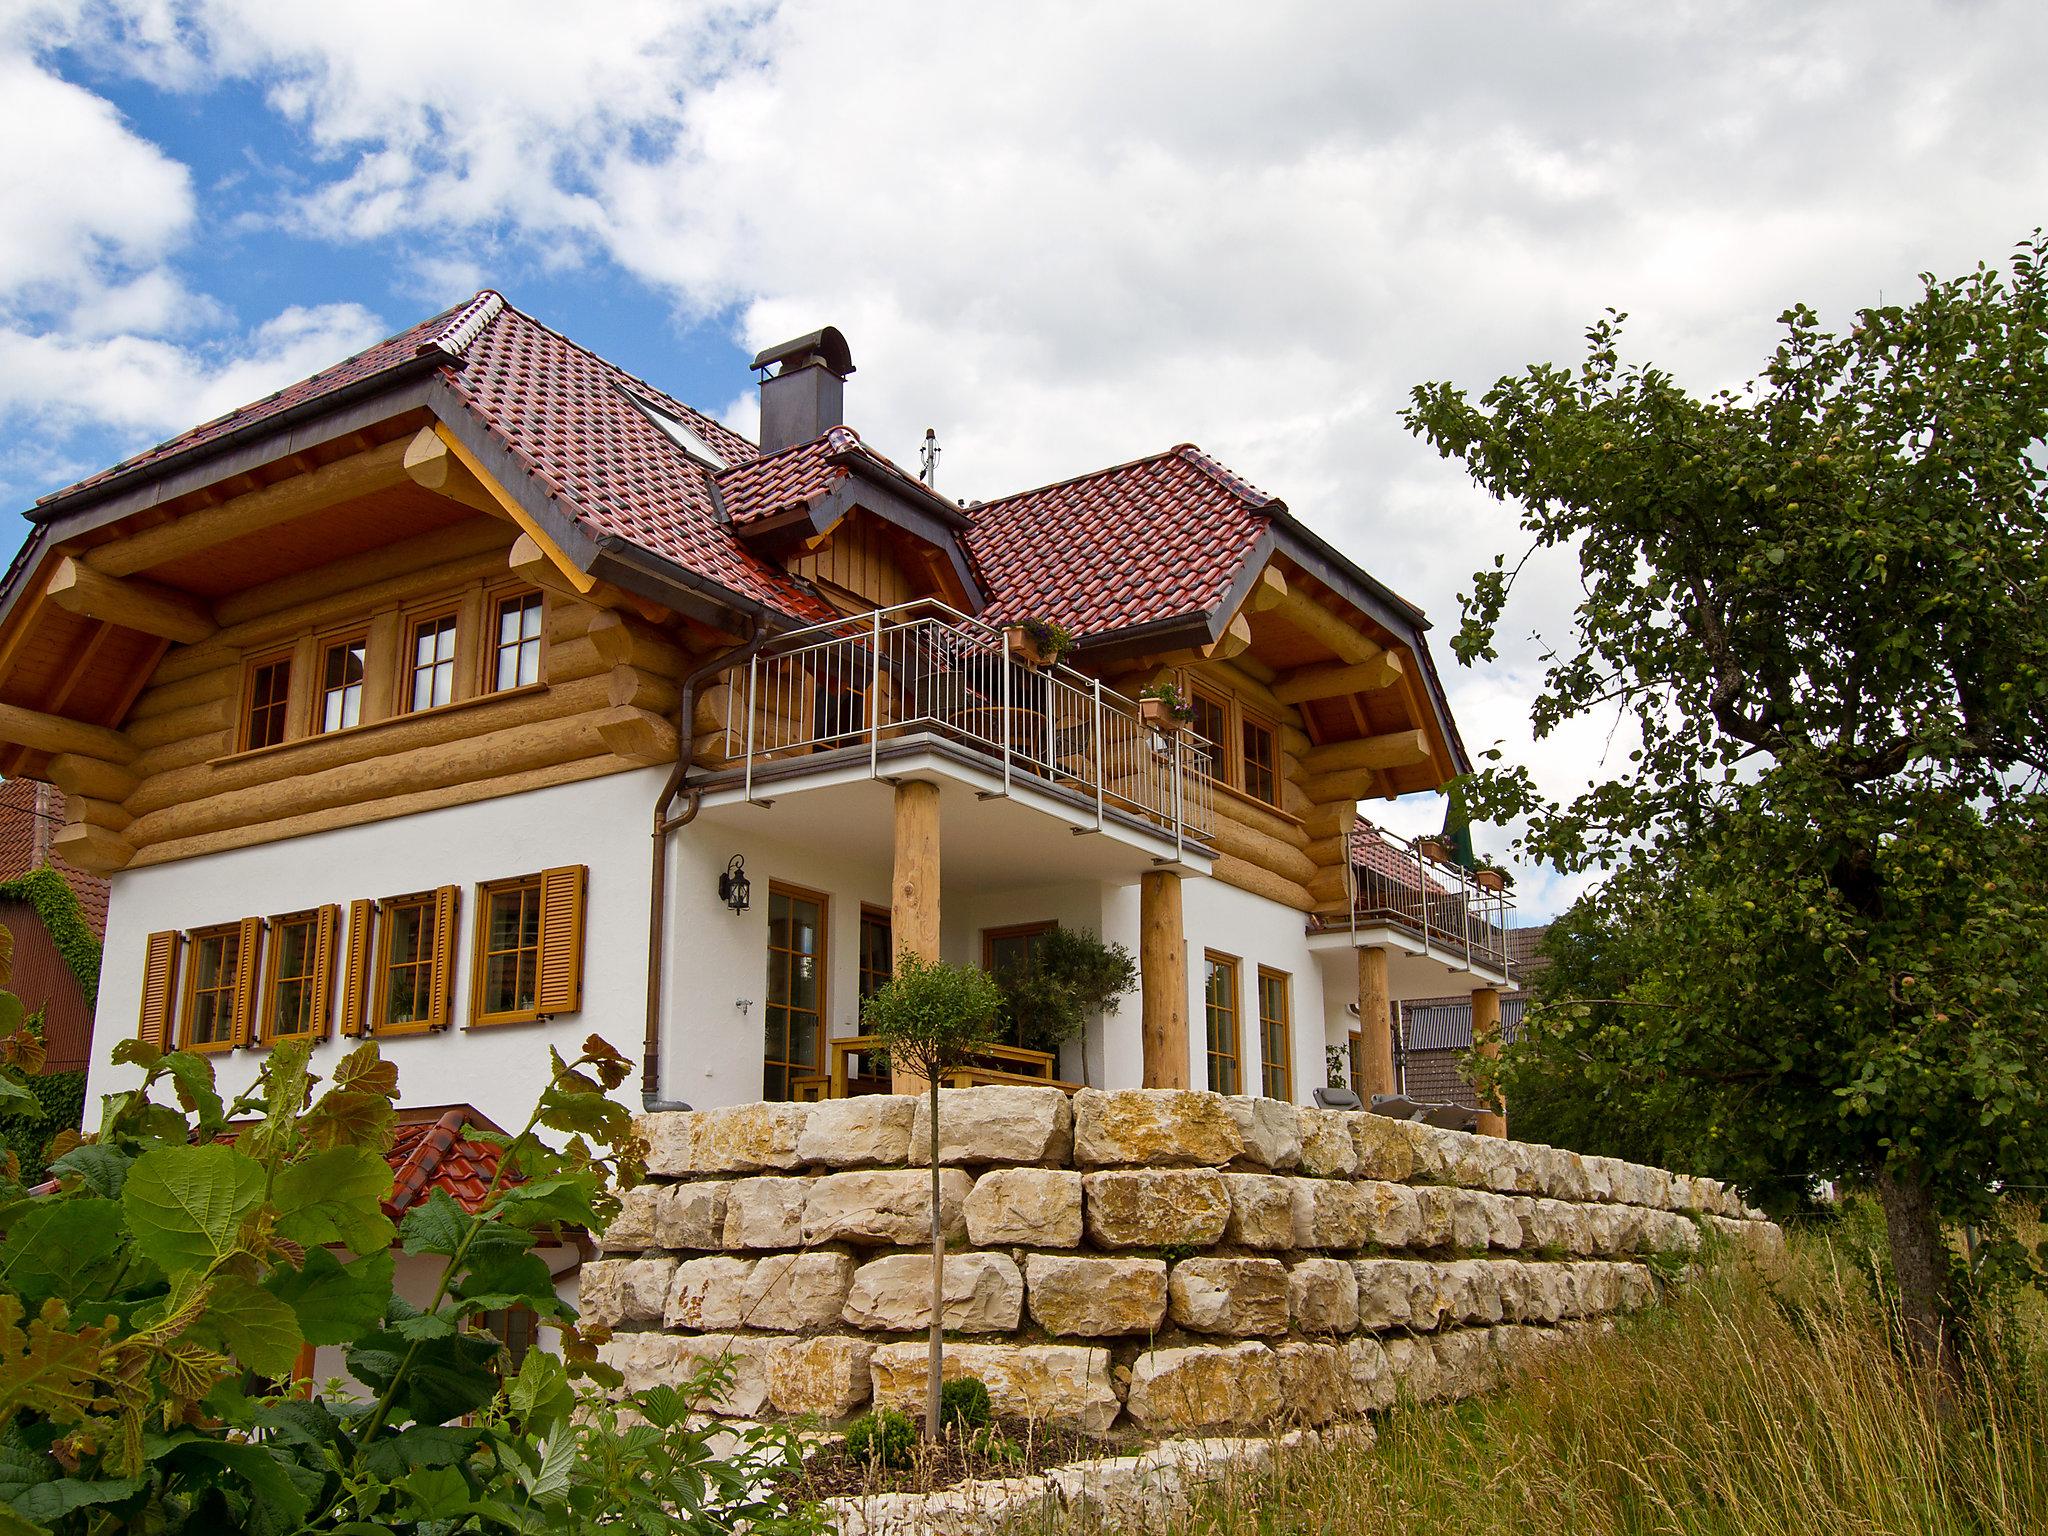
[50, 1502]
[257, 1328]
[420, 1445]
[17, 1100]
[50, 1250]
[540, 1395]
[334, 1302]
[278, 1485]
[335, 1196]
[186, 1205]
[507, 1280]
[101, 1169]
[447, 1377]
[21, 1468]
[436, 1225]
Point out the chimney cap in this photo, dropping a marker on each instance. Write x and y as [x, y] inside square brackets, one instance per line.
[824, 346]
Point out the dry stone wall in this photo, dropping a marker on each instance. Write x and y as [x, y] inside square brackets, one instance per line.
[1165, 1261]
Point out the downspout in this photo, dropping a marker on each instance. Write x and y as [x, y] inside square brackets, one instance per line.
[757, 634]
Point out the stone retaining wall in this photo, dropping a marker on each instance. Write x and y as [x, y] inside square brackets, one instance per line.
[1164, 1261]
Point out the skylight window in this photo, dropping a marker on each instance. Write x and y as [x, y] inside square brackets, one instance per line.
[682, 434]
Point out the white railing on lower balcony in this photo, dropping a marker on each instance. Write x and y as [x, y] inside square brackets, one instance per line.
[1396, 883]
[873, 679]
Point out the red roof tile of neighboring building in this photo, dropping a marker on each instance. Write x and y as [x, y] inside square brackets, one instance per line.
[427, 1155]
[1157, 538]
[29, 813]
[1371, 850]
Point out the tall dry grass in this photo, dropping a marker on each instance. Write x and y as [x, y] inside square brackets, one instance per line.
[1739, 1408]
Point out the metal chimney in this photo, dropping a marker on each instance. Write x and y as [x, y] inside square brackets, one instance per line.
[805, 396]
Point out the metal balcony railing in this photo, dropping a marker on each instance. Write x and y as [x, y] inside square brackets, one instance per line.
[871, 679]
[1394, 882]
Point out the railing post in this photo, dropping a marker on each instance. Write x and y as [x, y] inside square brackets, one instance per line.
[875, 696]
[1003, 659]
[1422, 895]
[1179, 820]
[1101, 763]
[753, 702]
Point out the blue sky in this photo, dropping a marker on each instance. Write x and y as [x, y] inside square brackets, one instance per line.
[1061, 234]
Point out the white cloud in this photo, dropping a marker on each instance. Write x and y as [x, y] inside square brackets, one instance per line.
[1069, 233]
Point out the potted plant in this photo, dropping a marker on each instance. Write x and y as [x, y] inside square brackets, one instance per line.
[1038, 643]
[1434, 848]
[1492, 877]
[1162, 707]
[1067, 978]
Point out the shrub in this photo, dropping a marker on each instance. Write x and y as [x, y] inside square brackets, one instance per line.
[964, 1404]
[884, 1438]
[1068, 977]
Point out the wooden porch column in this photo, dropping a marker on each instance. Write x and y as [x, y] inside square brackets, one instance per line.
[1163, 980]
[1375, 1024]
[914, 891]
[1486, 1042]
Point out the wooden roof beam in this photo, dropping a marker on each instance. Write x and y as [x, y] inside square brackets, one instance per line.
[1330, 682]
[38, 732]
[143, 606]
[1345, 770]
[1349, 646]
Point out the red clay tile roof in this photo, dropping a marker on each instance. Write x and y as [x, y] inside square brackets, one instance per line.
[1157, 538]
[427, 1155]
[1371, 850]
[790, 477]
[29, 814]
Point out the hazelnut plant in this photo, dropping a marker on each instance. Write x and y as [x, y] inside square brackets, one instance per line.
[154, 1305]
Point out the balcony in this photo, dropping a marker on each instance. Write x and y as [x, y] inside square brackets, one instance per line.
[1447, 912]
[868, 689]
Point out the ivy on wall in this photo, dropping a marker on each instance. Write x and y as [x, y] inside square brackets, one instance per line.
[62, 1094]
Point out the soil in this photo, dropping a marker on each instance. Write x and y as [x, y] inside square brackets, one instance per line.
[832, 1474]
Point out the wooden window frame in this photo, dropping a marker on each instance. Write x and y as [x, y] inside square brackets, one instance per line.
[480, 953]
[320, 978]
[1285, 1064]
[326, 645]
[824, 962]
[559, 931]
[240, 993]
[443, 903]
[412, 623]
[1251, 720]
[870, 913]
[158, 1022]
[494, 599]
[1234, 965]
[1225, 759]
[251, 666]
[1229, 766]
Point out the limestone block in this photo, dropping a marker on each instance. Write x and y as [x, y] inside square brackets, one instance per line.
[613, 1292]
[1146, 1207]
[786, 1291]
[741, 1138]
[1323, 1296]
[1072, 1295]
[1761, 1244]
[1003, 1123]
[691, 1215]
[1328, 1213]
[1411, 1372]
[1451, 1218]
[861, 1132]
[670, 1359]
[984, 1293]
[1369, 1381]
[1567, 1177]
[1391, 1212]
[1119, 1493]
[1547, 1225]
[1388, 1148]
[1395, 1293]
[1153, 1128]
[1466, 1362]
[827, 1375]
[633, 1228]
[1636, 1286]
[1062, 1383]
[1327, 1150]
[1233, 1296]
[1474, 1291]
[1503, 1221]
[1669, 1232]
[1271, 1130]
[709, 1294]
[884, 1206]
[765, 1213]
[1511, 1287]
[1261, 1210]
[1599, 1177]
[1033, 1207]
[1206, 1387]
[1315, 1383]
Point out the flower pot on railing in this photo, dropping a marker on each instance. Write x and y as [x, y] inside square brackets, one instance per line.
[1434, 848]
[1491, 880]
[1038, 643]
[1018, 639]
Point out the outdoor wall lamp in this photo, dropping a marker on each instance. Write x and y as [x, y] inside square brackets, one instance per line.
[734, 889]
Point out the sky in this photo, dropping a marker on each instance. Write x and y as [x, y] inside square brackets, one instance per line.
[1062, 235]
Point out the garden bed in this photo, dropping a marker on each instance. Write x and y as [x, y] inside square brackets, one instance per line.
[1003, 1450]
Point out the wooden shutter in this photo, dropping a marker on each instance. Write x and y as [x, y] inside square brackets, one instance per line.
[561, 939]
[324, 923]
[160, 988]
[442, 978]
[355, 967]
[248, 966]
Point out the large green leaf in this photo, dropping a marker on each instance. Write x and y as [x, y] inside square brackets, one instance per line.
[257, 1328]
[507, 1280]
[50, 1502]
[335, 1302]
[283, 1491]
[335, 1196]
[101, 1169]
[447, 1377]
[185, 1205]
[435, 1225]
[52, 1248]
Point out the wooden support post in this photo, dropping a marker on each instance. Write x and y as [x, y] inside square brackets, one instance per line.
[1375, 1024]
[914, 894]
[1163, 980]
[1486, 1043]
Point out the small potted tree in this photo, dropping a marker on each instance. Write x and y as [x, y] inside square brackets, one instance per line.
[1164, 709]
[931, 1017]
[1038, 643]
[1069, 976]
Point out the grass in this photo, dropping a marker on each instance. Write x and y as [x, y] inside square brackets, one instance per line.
[1739, 1408]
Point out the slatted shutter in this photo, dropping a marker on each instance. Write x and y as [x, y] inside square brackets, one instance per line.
[159, 988]
[561, 939]
[355, 967]
[325, 921]
[248, 967]
[441, 980]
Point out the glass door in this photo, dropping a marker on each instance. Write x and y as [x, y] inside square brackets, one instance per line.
[796, 987]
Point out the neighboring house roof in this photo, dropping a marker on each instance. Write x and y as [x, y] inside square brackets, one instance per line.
[1370, 850]
[29, 813]
[1157, 538]
[427, 1155]
[1447, 1026]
